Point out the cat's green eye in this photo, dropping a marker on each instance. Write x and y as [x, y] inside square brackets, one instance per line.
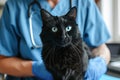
[68, 28]
[54, 29]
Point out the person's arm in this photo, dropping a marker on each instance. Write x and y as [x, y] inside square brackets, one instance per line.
[9, 42]
[97, 66]
[15, 66]
[103, 52]
[23, 68]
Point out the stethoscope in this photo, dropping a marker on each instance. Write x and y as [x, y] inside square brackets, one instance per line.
[30, 15]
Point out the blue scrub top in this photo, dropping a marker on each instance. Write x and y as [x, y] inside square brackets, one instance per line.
[14, 27]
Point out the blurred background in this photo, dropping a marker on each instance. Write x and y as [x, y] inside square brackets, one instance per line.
[111, 14]
[2, 2]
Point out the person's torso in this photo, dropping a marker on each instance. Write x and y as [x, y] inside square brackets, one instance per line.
[22, 25]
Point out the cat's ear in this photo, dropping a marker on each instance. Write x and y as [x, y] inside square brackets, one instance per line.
[72, 12]
[45, 15]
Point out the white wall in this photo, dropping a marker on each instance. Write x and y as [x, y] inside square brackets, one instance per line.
[106, 10]
[2, 2]
[111, 15]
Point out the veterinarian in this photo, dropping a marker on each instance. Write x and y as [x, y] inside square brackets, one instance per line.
[20, 45]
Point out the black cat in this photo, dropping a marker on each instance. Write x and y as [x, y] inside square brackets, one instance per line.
[64, 53]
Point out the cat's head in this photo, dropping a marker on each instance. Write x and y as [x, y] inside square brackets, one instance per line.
[59, 30]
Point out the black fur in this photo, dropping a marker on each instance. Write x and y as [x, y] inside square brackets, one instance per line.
[64, 53]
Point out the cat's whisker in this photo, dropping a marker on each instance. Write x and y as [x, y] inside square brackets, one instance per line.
[78, 53]
[76, 50]
[50, 56]
[80, 50]
[48, 51]
[53, 55]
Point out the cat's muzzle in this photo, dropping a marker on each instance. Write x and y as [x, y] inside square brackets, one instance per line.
[64, 42]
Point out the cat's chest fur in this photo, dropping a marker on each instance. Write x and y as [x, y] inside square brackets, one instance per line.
[62, 58]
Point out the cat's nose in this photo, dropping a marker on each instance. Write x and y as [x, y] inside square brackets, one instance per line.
[66, 40]
[63, 37]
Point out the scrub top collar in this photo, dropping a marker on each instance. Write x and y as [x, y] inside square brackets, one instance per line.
[61, 7]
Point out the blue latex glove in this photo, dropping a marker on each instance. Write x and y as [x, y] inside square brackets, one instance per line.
[39, 70]
[96, 68]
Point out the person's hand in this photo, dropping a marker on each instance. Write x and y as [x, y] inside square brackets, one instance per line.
[96, 68]
[39, 70]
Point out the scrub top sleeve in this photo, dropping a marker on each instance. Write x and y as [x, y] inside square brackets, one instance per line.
[95, 30]
[8, 38]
